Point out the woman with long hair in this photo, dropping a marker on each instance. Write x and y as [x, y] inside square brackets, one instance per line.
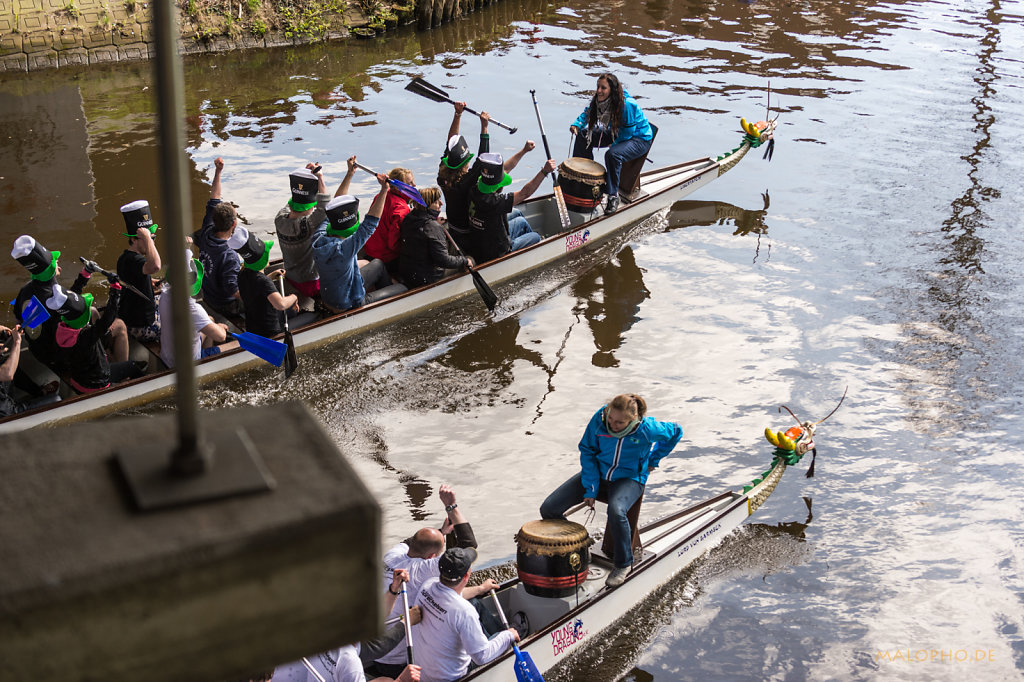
[620, 447]
[613, 119]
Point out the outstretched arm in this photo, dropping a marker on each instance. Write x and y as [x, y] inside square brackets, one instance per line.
[218, 165]
[529, 188]
[347, 180]
[453, 129]
[377, 207]
[513, 161]
[10, 366]
[321, 188]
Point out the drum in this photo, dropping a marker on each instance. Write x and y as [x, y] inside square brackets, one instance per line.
[583, 183]
[553, 557]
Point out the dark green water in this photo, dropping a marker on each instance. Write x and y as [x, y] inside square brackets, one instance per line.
[883, 262]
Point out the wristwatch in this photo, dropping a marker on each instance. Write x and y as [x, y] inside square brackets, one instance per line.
[451, 507]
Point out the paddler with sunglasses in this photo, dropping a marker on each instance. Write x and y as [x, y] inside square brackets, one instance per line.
[619, 449]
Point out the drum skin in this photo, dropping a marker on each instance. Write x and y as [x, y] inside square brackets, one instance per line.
[553, 557]
[582, 182]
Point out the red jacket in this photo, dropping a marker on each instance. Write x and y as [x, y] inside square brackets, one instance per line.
[383, 243]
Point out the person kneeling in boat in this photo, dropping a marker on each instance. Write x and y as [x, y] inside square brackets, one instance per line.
[620, 447]
[424, 247]
[450, 635]
[492, 232]
[264, 304]
[207, 335]
[343, 284]
[82, 341]
[614, 120]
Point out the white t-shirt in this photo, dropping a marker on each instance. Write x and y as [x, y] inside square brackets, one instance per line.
[420, 570]
[450, 635]
[348, 667]
[199, 321]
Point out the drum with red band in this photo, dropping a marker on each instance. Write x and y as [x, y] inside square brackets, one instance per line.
[553, 557]
[583, 183]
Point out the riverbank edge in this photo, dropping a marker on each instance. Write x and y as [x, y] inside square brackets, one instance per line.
[57, 34]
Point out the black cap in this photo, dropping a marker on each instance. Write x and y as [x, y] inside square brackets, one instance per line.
[40, 262]
[342, 215]
[456, 562]
[458, 154]
[136, 215]
[304, 185]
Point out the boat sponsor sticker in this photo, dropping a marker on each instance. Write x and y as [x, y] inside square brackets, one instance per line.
[692, 180]
[699, 539]
[567, 635]
[576, 239]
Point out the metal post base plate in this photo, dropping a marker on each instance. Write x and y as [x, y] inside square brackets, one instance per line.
[236, 469]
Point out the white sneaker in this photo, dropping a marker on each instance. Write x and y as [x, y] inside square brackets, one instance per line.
[618, 576]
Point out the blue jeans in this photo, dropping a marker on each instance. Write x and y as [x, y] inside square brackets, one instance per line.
[617, 154]
[520, 231]
[622, 494]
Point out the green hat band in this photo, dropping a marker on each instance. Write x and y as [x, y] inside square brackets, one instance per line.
[47, 274]
[346, 232]
[83, 319]
[300, 208]
[264, 259]
[200, 272]
[491, 189]
[151, 228]
[464, 162]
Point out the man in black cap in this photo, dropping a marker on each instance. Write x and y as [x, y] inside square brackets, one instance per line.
[450, 635]
[456, 177]
[491, 235]
[264, 304]
[43, 269]
[136, 266]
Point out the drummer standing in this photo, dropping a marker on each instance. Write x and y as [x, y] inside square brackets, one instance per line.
[619, 448]
[614, 120]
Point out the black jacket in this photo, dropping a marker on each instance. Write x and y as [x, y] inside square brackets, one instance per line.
[86, 355]
[424, 249]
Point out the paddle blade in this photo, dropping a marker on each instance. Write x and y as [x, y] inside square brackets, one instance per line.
[425, 89]
[526, 669]
[407, 191]
[291, 362]
[34, 313]
[262, 347]
[563, 210]
[484, 289]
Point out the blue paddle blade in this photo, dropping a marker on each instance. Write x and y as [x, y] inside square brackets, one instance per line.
[262, 347]
[407, 191]
[34, 313]
[526, 669]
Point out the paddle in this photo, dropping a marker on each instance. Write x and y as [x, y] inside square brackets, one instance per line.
[260, 346]
[482, 288]
[93, 266]
[408, 623]
[526, 669]
[313, 671]
[34, 313]
[407, 191]
[290, 360]
[563, 212]
[432, 92]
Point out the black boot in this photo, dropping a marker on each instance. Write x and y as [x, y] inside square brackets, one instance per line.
[612, 206]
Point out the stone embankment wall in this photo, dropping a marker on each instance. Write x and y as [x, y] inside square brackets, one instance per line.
[47, 34]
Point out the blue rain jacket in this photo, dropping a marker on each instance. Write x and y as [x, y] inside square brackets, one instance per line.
[605, 457]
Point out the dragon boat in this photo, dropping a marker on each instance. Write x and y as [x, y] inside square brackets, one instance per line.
[561, 612]
[653, 191]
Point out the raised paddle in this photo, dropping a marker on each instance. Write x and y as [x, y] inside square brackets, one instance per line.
[482, 288]
[432, 92]
[408, 623]
[290, 360]
[260, 346]
[407, 191]
[93, 266]
[526, 669]
[563, 212]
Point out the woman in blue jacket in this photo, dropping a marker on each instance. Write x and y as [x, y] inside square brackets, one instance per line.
[617, 452]
[614, 120]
